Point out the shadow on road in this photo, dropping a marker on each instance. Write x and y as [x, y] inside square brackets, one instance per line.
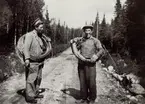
[21, 92]
[72, 92]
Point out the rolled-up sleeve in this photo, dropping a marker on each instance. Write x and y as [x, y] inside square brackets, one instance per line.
[27, 45]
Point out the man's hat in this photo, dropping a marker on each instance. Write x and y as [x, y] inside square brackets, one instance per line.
[88, 26]
[37, 22]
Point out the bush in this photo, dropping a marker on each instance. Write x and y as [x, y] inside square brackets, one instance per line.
[9, 65]
[58, 48]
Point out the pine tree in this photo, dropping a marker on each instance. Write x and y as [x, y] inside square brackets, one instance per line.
[118, 28]
[118, 8]
[58, 33]
[105, 33]
[103, 30]
[48, 30]
[135, 29]
[96, 26]
[24, 12]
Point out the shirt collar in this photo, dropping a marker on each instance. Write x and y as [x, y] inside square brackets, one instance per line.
[35, 32]
[88, 38]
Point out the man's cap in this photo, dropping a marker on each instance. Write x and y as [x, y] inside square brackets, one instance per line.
[37, 22]
[88, 26]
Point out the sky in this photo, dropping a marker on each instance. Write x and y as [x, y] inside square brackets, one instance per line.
[76, 13]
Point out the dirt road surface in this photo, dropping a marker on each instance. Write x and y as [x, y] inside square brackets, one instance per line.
[60, 78]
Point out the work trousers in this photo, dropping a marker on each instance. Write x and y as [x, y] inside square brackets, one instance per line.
[33, 79]
[87, 76]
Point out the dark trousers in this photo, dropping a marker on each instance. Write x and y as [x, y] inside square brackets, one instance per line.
[87, 76]
[33, 79]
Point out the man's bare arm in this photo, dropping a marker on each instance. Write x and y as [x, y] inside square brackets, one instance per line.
[76, 52]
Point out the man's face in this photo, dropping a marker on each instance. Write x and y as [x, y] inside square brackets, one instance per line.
[88, 32]
[40, 28]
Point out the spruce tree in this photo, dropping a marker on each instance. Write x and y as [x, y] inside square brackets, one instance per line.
[96, 26]
[103, 30]
[48, 30]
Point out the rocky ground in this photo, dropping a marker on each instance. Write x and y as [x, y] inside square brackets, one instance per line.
[60, 78]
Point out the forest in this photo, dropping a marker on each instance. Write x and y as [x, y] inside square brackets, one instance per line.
[123, 37]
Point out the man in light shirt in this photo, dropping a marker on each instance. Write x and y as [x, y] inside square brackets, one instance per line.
[90, 49]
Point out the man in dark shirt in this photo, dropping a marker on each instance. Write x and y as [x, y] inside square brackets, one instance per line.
[91, 49]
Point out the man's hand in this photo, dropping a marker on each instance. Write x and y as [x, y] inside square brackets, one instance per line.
[27, 62]
[94, 58]
[71, 41]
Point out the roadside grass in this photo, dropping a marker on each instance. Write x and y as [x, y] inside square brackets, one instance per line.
[125, 65]
[58, 48]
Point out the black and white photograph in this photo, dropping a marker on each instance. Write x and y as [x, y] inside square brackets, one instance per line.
[72, 52]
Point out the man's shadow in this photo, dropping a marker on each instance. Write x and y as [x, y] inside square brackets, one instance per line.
[21, 92]
[72, 92]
